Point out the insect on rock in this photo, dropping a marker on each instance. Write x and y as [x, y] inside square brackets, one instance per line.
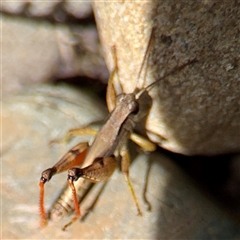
[97, 162]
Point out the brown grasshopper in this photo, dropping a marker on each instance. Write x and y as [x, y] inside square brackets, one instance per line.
[97, 162]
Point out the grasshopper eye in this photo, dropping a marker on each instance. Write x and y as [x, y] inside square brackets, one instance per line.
[136, 108]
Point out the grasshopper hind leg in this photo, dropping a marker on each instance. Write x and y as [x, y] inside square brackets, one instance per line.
[100, 170]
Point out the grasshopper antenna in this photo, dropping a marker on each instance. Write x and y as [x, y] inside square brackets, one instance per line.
[174, 70]
[145, 60]
[146, 57]
[111, 91]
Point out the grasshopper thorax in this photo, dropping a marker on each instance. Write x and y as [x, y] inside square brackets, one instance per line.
[127, 101]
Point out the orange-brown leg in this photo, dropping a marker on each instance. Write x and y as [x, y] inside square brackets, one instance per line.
[74, 157]
[100, 170]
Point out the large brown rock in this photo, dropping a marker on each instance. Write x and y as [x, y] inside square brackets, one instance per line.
[195, 110]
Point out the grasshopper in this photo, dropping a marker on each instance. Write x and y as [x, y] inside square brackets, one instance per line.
[98, 161]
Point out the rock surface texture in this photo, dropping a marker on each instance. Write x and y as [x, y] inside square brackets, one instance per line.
[195, 110]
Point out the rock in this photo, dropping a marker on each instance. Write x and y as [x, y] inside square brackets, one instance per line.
[195, 111]
[36, 116]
